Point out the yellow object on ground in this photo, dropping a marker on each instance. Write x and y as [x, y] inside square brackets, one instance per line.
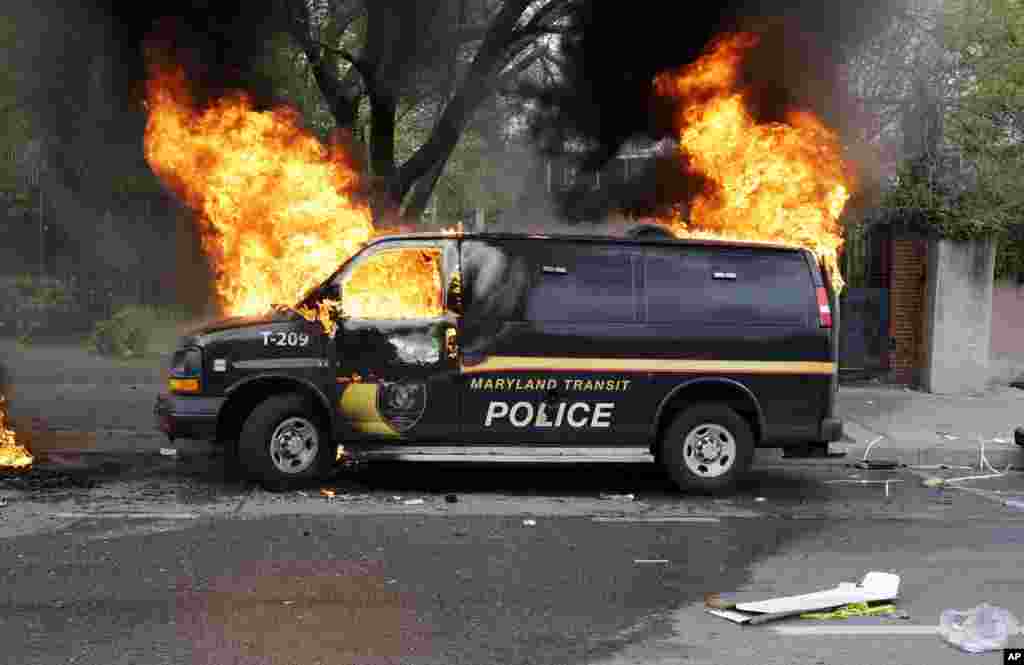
[851, 610]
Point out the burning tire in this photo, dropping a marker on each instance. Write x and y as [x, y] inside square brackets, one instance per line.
[284, 443]
[707, 448]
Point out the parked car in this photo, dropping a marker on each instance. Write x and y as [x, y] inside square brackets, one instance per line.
[685, 352]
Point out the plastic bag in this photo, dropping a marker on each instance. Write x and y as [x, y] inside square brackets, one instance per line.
[984, 628]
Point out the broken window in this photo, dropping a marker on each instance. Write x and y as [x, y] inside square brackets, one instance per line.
[402, 283]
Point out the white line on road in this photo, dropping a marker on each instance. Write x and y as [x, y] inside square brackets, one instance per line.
[856, 630]
[656, 520]
[146, 516]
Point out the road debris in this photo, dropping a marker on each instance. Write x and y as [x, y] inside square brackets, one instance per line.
[875, 586]
[935, 481]
[865, 463]
[983, 628]
[865, 482]
[853, 610]
[619, 497]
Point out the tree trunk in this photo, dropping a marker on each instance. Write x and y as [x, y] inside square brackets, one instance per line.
[422, 192]
[387, 198]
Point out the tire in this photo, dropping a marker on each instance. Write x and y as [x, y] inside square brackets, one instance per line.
[1018, 436]
[695, 468]
[302, 451]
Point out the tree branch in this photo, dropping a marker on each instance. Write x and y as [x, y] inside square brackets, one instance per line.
[339, 94]
[475, 87]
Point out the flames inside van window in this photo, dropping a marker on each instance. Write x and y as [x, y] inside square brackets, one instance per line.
[395, 284]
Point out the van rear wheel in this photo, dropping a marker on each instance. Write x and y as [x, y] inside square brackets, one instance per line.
[284, 444]
[707, 448]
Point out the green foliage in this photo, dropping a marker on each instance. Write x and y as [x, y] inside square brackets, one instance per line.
[15, 118]
[42, 292]
[135, 330]
[1010, 255]
[957, 215]
[986, 120]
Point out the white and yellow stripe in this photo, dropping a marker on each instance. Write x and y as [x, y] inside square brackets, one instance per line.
[538, 364]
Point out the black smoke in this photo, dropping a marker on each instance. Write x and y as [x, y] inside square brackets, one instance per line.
[82, 72]
[614, 50]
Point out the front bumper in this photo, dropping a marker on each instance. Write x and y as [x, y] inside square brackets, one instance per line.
[831, 430]
[187, 417]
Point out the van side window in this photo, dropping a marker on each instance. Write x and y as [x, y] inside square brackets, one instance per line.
[495, 277]
[735, 287]
[584, 284]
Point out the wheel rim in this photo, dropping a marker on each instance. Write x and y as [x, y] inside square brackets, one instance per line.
[294, 445]
[709, 450]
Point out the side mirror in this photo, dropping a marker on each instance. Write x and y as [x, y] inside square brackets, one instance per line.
[453, 294]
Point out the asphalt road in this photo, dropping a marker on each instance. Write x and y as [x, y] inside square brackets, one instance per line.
[121, 555]
[148, 559]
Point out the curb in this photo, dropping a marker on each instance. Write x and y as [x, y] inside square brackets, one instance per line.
[1008, 455]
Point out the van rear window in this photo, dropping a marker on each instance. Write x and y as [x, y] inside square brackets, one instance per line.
[734, 287]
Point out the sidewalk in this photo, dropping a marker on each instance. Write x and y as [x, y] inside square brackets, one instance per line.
[922, 428]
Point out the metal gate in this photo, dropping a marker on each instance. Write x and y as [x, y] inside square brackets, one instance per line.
[864, 330]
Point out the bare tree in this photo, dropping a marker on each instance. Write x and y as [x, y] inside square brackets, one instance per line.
[901, 80]
[450, 55]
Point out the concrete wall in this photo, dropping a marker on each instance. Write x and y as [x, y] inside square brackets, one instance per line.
[1007, 347]
[958, 316]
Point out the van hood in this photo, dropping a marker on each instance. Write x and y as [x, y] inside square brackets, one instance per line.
[280, 315]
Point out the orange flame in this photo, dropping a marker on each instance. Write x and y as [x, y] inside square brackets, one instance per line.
[12, 454]
[776, 182]
[275, 205]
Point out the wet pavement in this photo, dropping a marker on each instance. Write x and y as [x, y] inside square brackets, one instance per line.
[143, 558]
[113, 553]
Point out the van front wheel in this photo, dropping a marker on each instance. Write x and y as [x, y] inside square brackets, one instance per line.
[284, 444]
[707, 448]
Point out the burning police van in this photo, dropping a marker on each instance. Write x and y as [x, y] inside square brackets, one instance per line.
[690, 353]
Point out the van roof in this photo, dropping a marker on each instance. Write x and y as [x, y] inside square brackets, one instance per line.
[588, 238]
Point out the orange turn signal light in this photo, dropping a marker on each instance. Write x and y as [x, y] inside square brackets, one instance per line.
[183, 385]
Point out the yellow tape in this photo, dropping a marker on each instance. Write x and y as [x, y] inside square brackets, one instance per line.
[851, 610]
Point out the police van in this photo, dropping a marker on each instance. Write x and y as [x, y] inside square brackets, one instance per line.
[482, 346]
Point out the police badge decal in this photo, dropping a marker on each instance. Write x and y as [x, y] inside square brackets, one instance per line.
[402, 403]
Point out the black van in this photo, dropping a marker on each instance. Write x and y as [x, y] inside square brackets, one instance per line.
[525, 347]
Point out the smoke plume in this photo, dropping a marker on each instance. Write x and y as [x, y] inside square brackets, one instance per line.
[613, 54]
